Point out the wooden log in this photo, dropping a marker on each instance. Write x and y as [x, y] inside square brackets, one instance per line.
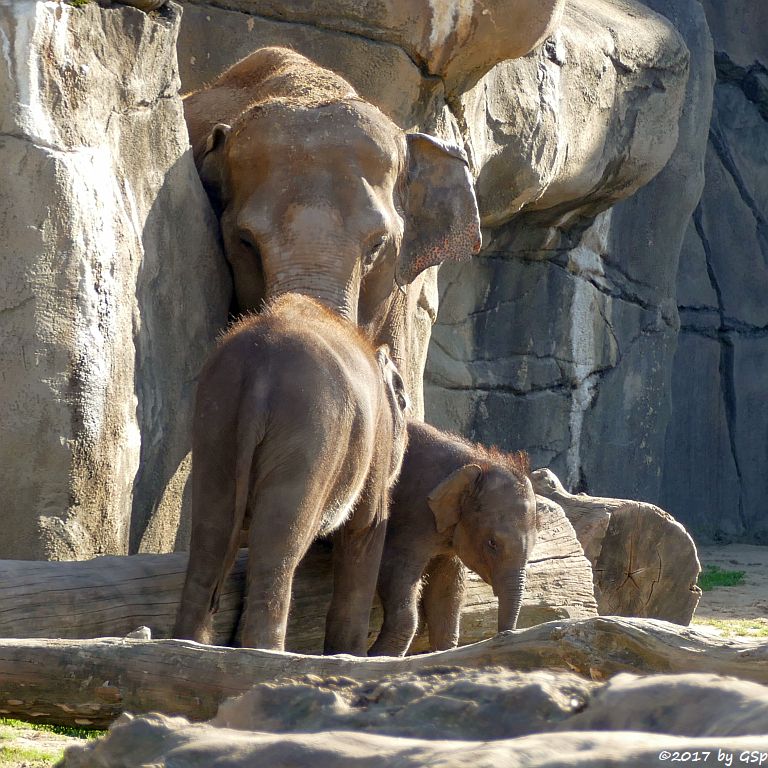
[111, 596]
[91, 682]
[589, 516]
[645, 562]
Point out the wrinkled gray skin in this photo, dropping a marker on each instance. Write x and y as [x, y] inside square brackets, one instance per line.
[320, 193]
[299, 430]
[454, 504]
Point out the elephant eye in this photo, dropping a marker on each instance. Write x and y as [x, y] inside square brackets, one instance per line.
[248, 247]
[492, 544]
[374, 250]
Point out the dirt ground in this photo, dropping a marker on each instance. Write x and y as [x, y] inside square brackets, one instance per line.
[743, 601]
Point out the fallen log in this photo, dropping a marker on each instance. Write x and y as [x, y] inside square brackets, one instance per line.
[91, 682]
[645, 562]
[111, 596]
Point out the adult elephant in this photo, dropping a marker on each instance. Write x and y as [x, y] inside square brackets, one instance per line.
[321, 193]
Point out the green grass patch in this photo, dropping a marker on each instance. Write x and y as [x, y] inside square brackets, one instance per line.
[61, 730]
[713, 576]
[733, 627]
[78, 3]
[29, 757]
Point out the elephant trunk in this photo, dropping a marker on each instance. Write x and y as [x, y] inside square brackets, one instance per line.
[338, 293]
[510, 591]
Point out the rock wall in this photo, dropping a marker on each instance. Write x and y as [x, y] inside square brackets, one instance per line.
[558, 338]
[628, 350]
[109, 295]
[715, 476]
[574, 334]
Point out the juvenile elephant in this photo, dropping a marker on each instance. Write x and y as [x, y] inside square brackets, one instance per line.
[299, 430]
[454, 503]
[320, 193]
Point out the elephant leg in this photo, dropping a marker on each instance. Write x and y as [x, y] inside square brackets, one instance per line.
[399, 588]
[277, 541]
[443, 598]
[356, 558]
[213, 543]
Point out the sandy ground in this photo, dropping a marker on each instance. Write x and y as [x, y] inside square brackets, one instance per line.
[744, 601]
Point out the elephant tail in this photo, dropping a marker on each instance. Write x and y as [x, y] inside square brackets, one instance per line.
[249, 433]
[251, 430]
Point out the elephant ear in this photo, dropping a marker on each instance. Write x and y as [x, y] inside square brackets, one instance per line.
[445, 499]
[392, 379]
[441, 218]
[210, 164]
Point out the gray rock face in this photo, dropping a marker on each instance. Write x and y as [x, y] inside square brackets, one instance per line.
[159, 740]
[439, 703]
[716, 463]
[619, 340]
[109, 295]
[456, 43]
[681, 705]
[449, 717]
[568, 352]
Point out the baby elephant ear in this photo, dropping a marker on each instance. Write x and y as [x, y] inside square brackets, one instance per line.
[441, 218]
[445, 499]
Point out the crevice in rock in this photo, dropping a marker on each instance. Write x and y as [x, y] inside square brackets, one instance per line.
[722, 150]
[727, 378]
[35, 142]
[752, 81]
[506, 389]
[16, 307]
[456, 108]
[615, 291]
[726, 366]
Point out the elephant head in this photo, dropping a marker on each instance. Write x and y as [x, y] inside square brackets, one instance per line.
[320, 193]
[493, 511]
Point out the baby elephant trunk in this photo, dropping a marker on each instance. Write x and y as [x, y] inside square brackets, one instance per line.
[510, 590]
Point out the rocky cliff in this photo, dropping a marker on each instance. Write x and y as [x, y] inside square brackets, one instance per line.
[612, 324]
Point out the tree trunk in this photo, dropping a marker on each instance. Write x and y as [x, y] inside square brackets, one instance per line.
[90, 682]
[111, 596]
[645, 562]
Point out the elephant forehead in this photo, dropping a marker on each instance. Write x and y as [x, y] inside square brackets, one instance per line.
[342, 133]
[503, 489]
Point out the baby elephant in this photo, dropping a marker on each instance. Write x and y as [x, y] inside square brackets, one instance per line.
[454, 503]
[299, 430]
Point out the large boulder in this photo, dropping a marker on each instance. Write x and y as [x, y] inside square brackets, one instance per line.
[716, 464]
[159, 740]
[454, 717]
[112, 282]
[559, 336]
[455, 42]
